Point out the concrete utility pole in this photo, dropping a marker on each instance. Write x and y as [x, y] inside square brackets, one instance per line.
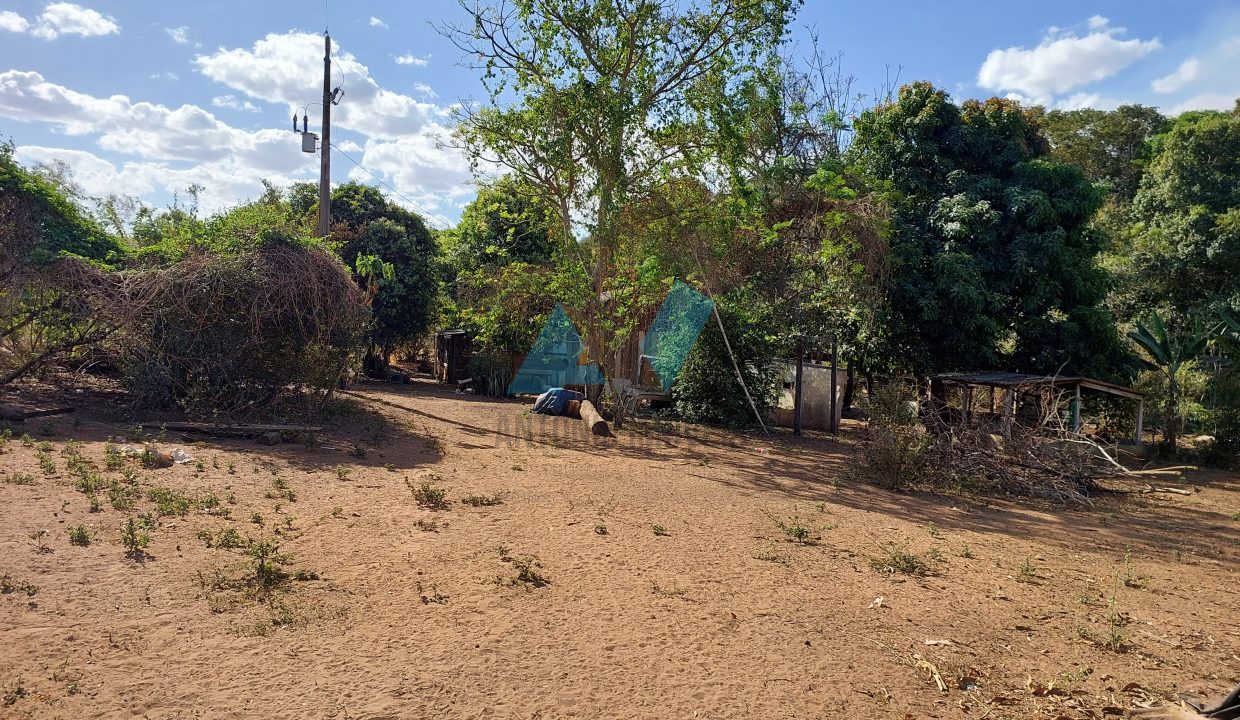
[325, 156]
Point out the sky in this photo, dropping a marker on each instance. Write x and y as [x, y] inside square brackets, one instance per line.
[146, 98]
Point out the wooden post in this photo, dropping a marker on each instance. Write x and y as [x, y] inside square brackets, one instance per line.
[797, 393]
[1140, 422]
[966, 401]
[1076, 410]
[1009, 409]
[835, 361]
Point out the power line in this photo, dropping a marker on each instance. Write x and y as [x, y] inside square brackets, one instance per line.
[426, 213]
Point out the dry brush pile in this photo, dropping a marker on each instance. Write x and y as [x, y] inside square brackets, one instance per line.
[227, 334]
[1039, 458]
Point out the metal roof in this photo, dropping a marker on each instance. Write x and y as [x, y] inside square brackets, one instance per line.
[1017, 380]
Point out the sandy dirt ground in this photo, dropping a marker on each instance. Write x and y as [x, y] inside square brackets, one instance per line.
[658, 574]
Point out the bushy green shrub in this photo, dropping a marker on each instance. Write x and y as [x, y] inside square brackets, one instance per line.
[707, 390]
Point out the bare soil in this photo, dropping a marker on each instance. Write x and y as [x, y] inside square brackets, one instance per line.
[669, 572]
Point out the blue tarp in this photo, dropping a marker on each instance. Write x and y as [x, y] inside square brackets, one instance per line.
[555, 400]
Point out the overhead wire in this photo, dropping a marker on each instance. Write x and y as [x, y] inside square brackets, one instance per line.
[442, 224]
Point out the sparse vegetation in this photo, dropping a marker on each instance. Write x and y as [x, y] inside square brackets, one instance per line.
[660, 531]
[482, 500]
[896, 559]
[429, 495]
[134, 538]
[80, 535]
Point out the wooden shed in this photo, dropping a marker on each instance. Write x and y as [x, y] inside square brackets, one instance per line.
[1013, 385]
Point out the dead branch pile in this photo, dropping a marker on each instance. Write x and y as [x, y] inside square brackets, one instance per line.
[225, 335]
[1040, 457]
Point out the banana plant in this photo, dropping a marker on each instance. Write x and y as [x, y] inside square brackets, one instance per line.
[1168, 353]
[1228, 335]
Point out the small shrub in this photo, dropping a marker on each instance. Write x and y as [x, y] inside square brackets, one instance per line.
[528, 572]
[897, 559]
[257, 519]
[482, 500]
[337, 512]
[429, 495]
[228, 539]
[1026, 571]
[660, 531]
[134, 538]
[358, 452]
[79, 535]
[267, 573]
[10, 585]
[342, 472]
[38, 540]
[46, 464]
[964, 552]
[112, 457]
[168, 501]
[431, 525]
[20, 479]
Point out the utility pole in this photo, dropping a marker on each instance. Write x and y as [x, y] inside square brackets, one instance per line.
[325, 158]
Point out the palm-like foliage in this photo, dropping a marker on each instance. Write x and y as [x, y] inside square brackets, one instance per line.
[1168, 353]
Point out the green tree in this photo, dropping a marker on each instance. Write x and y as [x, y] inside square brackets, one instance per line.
[368, 225]
[590, 103]
[1112, 147]
[41, 316]
[993, 263]
[1183, 254]
[1167, 353]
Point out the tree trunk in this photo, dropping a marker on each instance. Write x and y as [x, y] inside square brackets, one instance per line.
[1171, 423]
[849, 386]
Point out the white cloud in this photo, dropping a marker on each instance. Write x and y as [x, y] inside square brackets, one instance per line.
[411, 59]
[165, 75]
[421, 170]
[68, 19]
[232, 103]
[226, 182]
[426, 90]
[1062, 62]
[142, 129]
[1081, 100]
[1207, 101]
[286, 69]
[149, 149]
[13, 22]
[376, 22]
[179, 35]
[1183, 75]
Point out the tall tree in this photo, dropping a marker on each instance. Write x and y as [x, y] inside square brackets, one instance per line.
[590, 102]
[1184, 254]
[993, 263]
[371, 227]
[1112, 147]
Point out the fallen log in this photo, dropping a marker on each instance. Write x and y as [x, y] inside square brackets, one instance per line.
[594, 421]
[232, 430]
[12, 414]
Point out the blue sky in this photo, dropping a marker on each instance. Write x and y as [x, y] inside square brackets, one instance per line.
[145, 97]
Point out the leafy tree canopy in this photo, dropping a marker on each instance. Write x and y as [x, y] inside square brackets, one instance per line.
[993, 263]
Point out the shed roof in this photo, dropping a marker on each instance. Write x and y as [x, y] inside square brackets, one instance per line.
[1018, 380]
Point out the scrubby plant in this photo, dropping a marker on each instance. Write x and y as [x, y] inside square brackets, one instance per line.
[134, 538]
[429, 495]
[482, 500]
[80, 535]
[897, 559]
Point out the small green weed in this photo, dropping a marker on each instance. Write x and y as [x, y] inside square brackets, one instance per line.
[80, 535]
[482, 500]
[429, 495]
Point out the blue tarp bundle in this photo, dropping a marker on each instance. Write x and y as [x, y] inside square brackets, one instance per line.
[555, 400]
